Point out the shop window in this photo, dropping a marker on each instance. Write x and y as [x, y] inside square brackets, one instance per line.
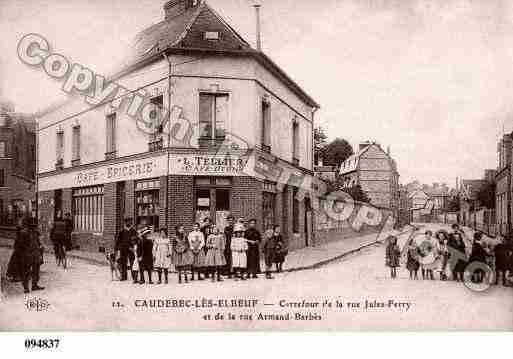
[87, 209]
[212, 199]
[268, 208]
[147, 203]
[110, 136]
[213, 118]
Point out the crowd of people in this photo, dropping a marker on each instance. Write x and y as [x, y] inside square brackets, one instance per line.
[206, 252]
[451, 255]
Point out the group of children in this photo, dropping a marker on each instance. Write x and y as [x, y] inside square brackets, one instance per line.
[436, 253]
[207, 252]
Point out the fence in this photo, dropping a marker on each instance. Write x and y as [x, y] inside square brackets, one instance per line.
[482, 220]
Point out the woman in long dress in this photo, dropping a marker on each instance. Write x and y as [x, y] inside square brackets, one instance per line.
[162, 254]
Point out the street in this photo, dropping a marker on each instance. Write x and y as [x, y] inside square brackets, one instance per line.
[354, 293]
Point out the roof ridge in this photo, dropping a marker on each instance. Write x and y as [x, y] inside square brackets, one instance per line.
[184, 33]
[220, 18]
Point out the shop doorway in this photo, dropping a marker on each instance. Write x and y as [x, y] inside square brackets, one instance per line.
[212, 199]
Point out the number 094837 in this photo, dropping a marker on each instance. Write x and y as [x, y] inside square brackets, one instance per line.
[42, 343]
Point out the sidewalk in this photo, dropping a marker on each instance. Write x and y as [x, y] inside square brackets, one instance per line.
[300, 259]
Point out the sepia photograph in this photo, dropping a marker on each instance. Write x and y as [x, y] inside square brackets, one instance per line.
[255, 166]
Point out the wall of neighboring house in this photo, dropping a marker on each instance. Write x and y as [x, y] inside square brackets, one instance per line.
[375, 176]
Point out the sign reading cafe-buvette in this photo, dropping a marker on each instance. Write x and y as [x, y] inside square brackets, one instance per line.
[202, 165]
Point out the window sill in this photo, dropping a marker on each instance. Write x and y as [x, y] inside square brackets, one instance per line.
[110, 155]
[156, 145]
[211, 143]
[295, 161]
[265, 148]
[75, 162]
[59, 165]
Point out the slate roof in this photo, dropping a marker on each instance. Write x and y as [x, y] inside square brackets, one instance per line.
[185, 32]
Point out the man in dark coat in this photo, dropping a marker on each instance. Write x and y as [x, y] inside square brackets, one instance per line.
[58, 237]
[69, 229]
[124, 248]
[228, 233]
[30, 255]
[254, 238]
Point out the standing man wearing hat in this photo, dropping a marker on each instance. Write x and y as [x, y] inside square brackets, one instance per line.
[228, 234]
[124, 248]
[31, 255]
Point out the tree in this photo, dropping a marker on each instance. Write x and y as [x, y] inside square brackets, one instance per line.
[486, 195]
[320, 139]
[336, 152]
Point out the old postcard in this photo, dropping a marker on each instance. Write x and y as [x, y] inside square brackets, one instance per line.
[256, 165]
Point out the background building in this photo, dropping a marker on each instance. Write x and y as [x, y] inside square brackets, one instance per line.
[17, 165]
[236, 107]
[503, 185]
[376, 172]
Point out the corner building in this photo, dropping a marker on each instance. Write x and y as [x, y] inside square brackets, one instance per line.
[227, 101]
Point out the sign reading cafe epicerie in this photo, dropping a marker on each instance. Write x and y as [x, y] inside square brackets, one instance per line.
[208, 165]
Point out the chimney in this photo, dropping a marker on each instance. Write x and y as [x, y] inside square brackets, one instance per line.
[388, 150]
[174, 8]
[258, 32]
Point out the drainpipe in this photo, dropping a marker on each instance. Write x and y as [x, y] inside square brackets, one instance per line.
[170, 72]
[312, 234]
[37, 173]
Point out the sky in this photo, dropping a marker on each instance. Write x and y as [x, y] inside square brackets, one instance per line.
[432, 79]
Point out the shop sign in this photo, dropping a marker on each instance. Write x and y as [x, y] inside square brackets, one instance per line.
[209, 165]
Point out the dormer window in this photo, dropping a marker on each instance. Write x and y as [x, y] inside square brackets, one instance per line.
[211, 35]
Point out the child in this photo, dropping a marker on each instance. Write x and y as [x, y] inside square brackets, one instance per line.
[239, 246]
[182, 255]
[412, 262]
[393, 253]
[429, 259]
[215, 253]
[443, 252]
[162, 254]
[280, 249]
[145, 255]
[135, 265]
[196, 243]
[269, 246]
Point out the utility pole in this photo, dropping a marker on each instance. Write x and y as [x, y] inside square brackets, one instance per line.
[170, 74]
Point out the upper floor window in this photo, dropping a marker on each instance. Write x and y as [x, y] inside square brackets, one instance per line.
[266, 125]
[295, 142]
[110, 126]
[213, 117]
[76, 143]
[2, 177]
[3, 149]
[156, 127]
[60, 146]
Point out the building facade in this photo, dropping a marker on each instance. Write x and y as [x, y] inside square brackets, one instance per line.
[503, 185]
[231, 111]
[376, 172]
[17, 165]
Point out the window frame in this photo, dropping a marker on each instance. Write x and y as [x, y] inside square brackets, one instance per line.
[110, 135]
[213, 139]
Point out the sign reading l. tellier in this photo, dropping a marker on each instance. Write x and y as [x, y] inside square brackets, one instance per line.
[191, 164]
